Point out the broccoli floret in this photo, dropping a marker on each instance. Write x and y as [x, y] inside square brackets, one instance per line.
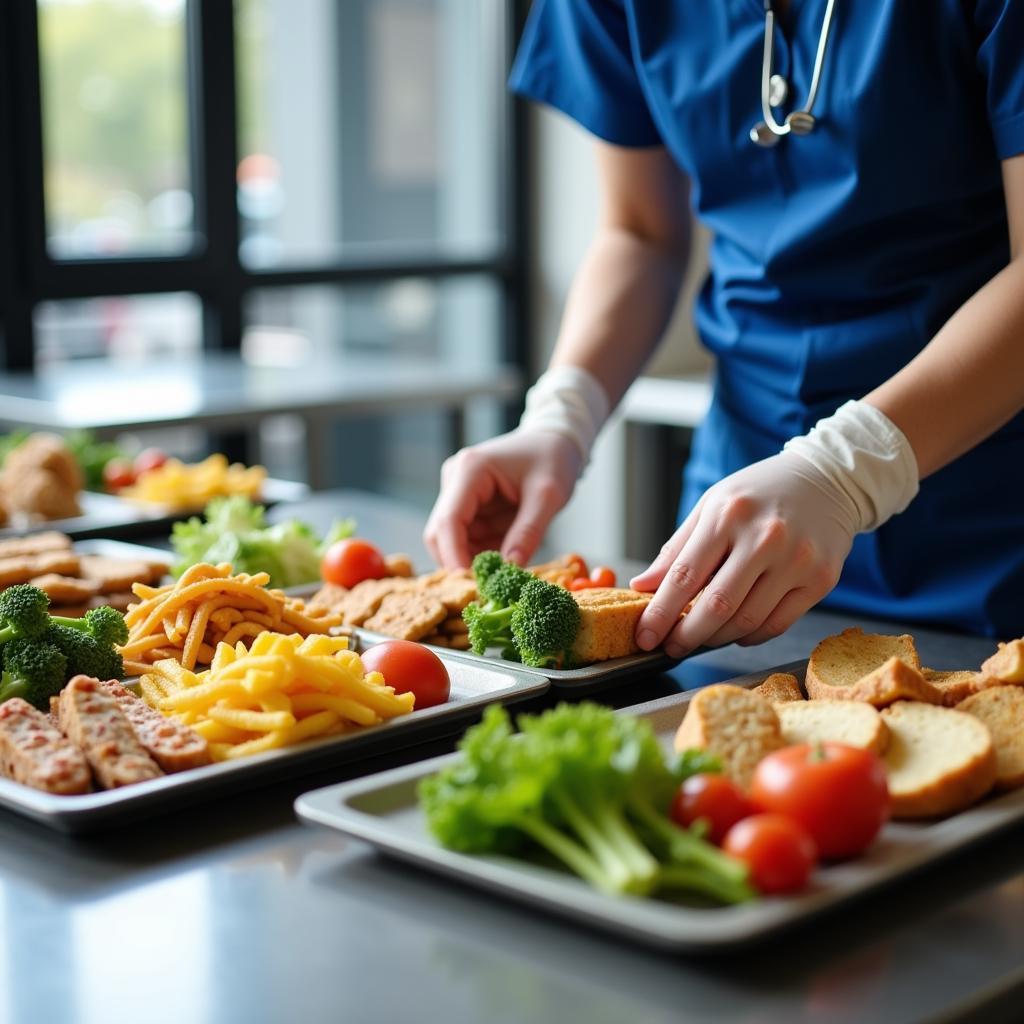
[545, 623]
[33, 670]
[487, 628]
[85, 654]
[484, 565]
[24, 612]
[105, 624]
[503, 587]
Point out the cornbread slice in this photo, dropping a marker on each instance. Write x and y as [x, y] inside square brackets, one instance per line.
[939, 760]
[735, 724]
[608, 618]
[779, 687]
[1001, 708]
[835, 721]
[1006, 665]
[955, 685]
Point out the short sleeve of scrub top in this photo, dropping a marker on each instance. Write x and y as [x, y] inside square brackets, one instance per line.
[1000, 28]
[576, 55]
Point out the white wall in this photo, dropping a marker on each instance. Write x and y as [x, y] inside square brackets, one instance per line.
[565, 211]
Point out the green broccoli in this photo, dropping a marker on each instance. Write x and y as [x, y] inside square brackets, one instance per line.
[488, 629]
[33, 670]
[105, 624]
[587, 785]
[24, 613]
[503, 587]
[544, 624]
[490, 620]
[85, 654]
[484, 564]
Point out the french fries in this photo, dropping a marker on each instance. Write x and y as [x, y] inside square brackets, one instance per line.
[180, 485]
[281, 690]
[208, 606]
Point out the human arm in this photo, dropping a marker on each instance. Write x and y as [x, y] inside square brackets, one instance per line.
[769, 541]
[504, 492]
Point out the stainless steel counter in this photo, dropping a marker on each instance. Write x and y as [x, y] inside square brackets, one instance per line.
[231, 911]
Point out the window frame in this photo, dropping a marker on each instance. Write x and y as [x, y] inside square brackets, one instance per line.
[214, 270]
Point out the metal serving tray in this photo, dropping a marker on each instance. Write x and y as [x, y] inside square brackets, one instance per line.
[473, 687]
[108, 515]
[382, 810]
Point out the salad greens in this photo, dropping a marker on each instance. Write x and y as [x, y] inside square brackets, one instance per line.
[589, 787]
[235, 530]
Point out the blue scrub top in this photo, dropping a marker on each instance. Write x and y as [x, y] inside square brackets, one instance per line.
[836, 255]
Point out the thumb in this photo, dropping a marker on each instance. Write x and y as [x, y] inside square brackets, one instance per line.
[542, 497]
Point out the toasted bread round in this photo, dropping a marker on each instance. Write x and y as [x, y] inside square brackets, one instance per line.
[733, 723]
[1001, 708]
[608, 618]
[836, 721]
[955, 686]
[840, 662]
[1006, 665]
[939, 760]
[779, 688]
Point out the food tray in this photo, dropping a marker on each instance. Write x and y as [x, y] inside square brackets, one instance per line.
[107, 514]
[580, 681]
[473, 687]
[382, 810]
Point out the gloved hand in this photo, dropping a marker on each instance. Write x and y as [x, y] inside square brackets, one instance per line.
[501, 495]
[768, 542]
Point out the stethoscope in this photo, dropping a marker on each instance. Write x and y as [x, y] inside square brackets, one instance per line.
[774, 88]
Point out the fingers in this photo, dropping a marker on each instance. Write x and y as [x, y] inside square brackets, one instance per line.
[464, 490]
[785, 613]
[541, 499]
[650, 579]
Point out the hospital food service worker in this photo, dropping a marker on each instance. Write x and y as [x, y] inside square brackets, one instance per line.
[860, 166]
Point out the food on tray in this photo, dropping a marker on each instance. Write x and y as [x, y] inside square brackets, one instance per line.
[41, 480]
[1001, 708]
[608, 620]
[177, 485]
[587, 787]
[409, 667]
[778, 851]
[780, 687]
[186, 620]
[955, 685]
[351, 560]
[939, 760]
[837, 792]
[735, 725]
[1005, 666]
[235, 530]
[843, 721]
[34, 752]
[119, 471]
[281, 690]
[713, 800]
[599, 576]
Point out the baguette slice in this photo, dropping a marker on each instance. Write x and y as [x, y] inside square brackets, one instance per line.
[955, 686]
[939, 760]
[839, 665]
[608, 618]
[1001, 708]
[735, 724]
[779, 688]
[837, 721]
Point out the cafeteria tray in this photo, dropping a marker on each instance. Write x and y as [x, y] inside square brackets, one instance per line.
[109, 515]
[382, 810]
[472, 687]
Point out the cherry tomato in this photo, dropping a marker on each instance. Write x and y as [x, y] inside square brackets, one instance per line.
[118, 473]
[582, 583]
[147, 459]
[410, 668]
[778, 850]
[350, 561]
[602, 576]
[837, 792]
[713, 798]
[577, 564]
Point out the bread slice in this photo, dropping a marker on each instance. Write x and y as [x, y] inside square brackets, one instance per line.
[779, 688]
[844, 667]
[1005, 666]
[939, 760]
[955, 685]
[837, 721]
[608, 618]
[1001, 708]
[735, 724]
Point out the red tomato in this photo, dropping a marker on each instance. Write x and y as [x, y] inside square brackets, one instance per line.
[602, 576]
[778, 850]
[712, 798]
[577, 564]
[147, 459]
[837, 792]
[410, 668]
[350, 561]
[118, 473]
[582, 583]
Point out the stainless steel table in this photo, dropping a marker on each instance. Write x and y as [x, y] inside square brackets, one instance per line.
[231, 911]
[222, 391]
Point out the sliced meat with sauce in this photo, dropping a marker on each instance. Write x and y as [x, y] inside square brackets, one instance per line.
[35, 753]
[95, 722]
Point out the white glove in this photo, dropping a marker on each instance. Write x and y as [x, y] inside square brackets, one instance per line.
[569, 401]
[768, 542]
